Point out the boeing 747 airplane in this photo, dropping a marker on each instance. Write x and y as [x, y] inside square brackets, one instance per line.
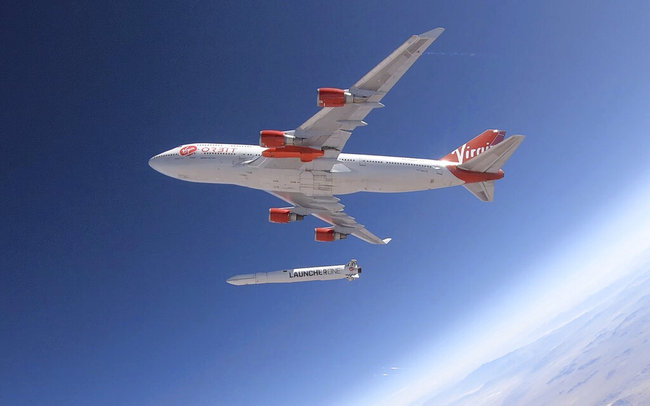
[305, 167]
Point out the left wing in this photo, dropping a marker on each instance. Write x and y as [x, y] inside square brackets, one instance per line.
[328, 209]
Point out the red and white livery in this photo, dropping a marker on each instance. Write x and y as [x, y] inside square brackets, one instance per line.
[306, 168]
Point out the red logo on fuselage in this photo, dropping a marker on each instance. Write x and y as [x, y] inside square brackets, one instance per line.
[187, 150]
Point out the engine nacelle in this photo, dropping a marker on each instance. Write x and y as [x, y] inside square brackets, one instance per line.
[305, 154]
[330, 97]
[326, 234]
[275, 138]
[283, 216]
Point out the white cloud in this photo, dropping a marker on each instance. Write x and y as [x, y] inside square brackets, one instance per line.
[603, 253]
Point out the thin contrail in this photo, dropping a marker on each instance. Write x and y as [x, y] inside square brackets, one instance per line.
[470, 54]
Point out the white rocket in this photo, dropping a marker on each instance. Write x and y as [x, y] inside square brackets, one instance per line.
[351, 271]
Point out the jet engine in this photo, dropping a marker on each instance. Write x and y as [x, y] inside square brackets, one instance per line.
[330, 97]
[326, 234]
[305, 154]
[283, 216]
[275, 138]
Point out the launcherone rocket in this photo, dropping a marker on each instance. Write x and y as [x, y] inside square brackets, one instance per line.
[351, 271]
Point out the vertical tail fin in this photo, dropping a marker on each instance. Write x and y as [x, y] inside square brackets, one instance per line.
[478, 168]
[484, 141]
[491, 161]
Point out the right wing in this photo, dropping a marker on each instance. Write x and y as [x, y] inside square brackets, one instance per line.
[328, 209]
[331, 127]
[329, 130]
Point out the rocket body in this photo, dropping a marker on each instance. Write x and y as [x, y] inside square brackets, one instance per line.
[350, 271]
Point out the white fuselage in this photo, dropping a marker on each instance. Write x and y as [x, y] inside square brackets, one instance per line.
[317, 273]
[238, 165]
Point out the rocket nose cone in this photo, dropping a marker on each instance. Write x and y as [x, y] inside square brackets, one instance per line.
[239, 280]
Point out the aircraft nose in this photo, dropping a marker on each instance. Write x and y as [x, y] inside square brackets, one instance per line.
[155, 163]
[162, 163]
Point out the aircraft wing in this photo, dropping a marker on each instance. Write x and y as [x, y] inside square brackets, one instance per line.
[330, 128]
[328, 209]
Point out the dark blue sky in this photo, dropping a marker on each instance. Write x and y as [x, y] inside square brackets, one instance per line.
[112, 286]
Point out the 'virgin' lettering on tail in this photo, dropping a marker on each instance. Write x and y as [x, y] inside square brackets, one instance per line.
[463, 153]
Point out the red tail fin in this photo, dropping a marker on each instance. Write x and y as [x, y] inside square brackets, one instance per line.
[486, 140]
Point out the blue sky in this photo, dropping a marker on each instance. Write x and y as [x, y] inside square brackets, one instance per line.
[113, 288]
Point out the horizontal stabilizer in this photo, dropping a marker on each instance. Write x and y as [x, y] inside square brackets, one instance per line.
[493, 159]
[483, 190]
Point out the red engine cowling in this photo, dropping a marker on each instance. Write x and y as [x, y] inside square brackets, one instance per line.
[326, 234]
[283, 216]
[305, 154]
[331, 97]
[272, 138]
